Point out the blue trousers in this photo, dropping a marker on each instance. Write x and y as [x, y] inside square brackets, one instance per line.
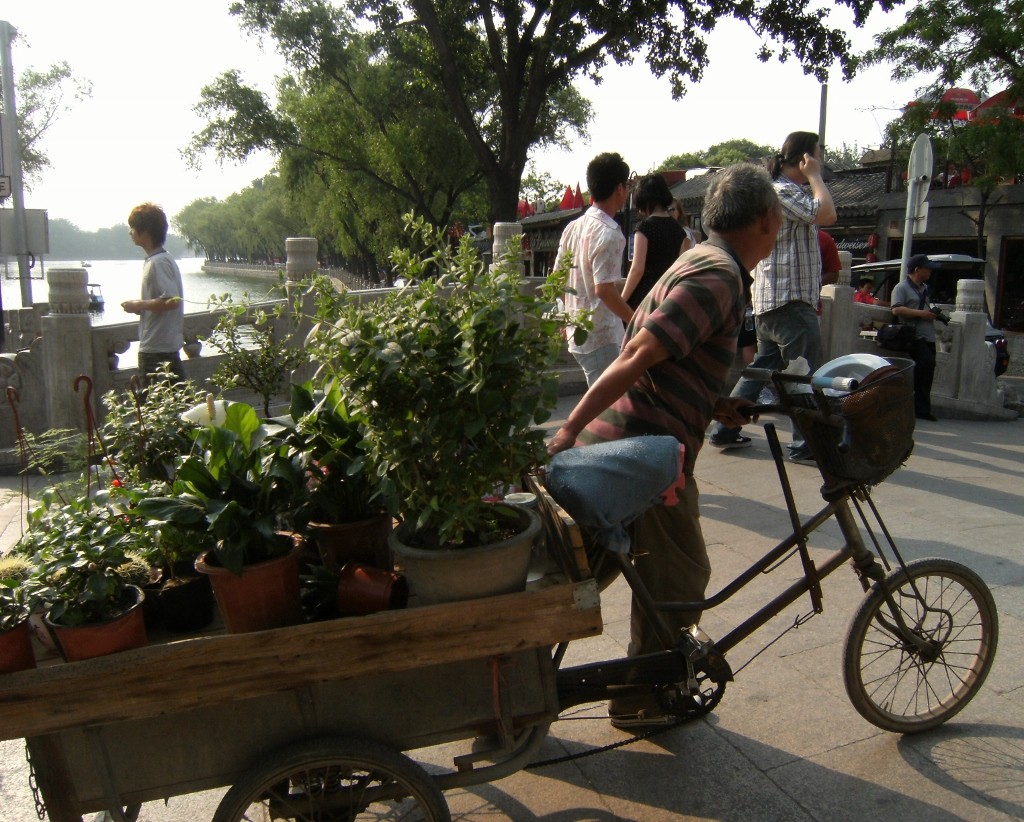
[784, 335]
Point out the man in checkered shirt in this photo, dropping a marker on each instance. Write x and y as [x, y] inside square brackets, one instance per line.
[787, 284]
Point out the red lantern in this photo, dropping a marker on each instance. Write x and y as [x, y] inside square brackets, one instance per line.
[872, 241]
[870, 257]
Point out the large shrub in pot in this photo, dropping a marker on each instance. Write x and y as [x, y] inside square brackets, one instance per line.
[452, 374]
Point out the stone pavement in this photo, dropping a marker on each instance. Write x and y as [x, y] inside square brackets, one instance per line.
[785, 743]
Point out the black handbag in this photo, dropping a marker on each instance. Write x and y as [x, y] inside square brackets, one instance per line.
[896, 336]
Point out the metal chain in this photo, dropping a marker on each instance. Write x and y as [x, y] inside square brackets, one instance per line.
[36, 796]
[611, 746]
[689, 715]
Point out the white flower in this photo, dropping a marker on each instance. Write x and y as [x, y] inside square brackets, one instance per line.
[212, 412]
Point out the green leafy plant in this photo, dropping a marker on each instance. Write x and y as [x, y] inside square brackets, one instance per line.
[82, 556]
[325, 439]
[259, 348]
[14, 606]
[145, 432]
[450, 376]
[61, 456]
[238, 485]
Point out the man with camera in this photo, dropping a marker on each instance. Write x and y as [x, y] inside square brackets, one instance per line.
[911, 305]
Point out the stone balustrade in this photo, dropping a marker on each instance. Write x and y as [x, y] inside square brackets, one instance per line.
[54, 344]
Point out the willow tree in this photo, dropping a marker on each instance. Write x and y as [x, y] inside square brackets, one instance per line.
[360, 140]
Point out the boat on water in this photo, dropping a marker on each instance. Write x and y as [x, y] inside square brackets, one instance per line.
[95, 297]
[86, 264]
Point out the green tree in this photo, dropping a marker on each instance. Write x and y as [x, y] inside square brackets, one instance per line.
[42, 97]
[846, 156]
[991, 147]
[361, 141]
[953, 41]
[694, 159]
[726, 153]
[506, 68]
[541, 188]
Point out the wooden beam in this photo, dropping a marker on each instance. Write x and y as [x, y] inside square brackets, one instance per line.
[166, 678]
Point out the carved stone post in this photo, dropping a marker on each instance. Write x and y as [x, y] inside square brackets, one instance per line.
[67, 346]
[502, 233]
[301, 257]
[845, 261]
[975, 367]
[302, 261]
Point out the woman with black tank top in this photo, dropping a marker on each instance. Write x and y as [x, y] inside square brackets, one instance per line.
[658, 241]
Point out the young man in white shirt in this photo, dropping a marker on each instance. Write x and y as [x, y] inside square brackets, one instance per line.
[596, 243]
[161, 311]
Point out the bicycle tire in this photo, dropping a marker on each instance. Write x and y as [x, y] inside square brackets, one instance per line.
[895, 686]
[335, 779]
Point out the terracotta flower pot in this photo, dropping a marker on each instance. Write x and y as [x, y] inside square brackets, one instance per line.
[363, 589]
[16, 649]
[265, 596]
[365, 541]
[468, 573]
[123, 632]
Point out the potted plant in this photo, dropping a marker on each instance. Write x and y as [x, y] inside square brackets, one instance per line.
[238, 486]
[15, 635]
[144, 431]
[450, 375]
[178, 597]
[338, 505]
[81, 556]
[258, 346]
[184, 597]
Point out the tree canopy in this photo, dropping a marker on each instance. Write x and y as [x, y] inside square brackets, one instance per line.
[505, 69]
[42, 97]
[720, 154]
[949, 43]
[979, 42]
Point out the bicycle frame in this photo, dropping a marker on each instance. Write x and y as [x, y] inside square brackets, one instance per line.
[687, 655]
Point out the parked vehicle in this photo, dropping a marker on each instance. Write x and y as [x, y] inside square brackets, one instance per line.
[942, 285]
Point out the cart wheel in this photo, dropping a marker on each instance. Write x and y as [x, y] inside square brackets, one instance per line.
[905, 687]
[334, 779]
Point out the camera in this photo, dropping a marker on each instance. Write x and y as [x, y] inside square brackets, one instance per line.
[940, 315]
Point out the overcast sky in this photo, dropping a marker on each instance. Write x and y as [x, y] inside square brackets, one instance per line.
[148, 61]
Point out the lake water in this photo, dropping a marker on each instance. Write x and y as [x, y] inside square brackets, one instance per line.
[120, 280]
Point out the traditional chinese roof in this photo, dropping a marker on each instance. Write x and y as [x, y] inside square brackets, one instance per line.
[855, 192]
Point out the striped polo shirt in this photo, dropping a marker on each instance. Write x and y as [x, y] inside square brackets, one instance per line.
[695, 311]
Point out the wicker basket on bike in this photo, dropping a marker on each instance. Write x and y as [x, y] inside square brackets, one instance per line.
[861, 436]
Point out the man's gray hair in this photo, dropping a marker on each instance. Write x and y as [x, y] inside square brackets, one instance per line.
[737, 196]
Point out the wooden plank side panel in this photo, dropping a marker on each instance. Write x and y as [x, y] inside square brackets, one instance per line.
[162, 679]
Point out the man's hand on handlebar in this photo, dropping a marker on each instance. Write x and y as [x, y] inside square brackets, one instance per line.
[727, 411]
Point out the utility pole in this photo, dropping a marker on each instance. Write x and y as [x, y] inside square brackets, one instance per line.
[821, 118]
[11, 159]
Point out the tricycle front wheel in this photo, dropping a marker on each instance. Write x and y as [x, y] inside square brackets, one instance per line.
[335, 779]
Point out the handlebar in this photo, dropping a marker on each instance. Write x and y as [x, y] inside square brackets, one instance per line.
[834, 383]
